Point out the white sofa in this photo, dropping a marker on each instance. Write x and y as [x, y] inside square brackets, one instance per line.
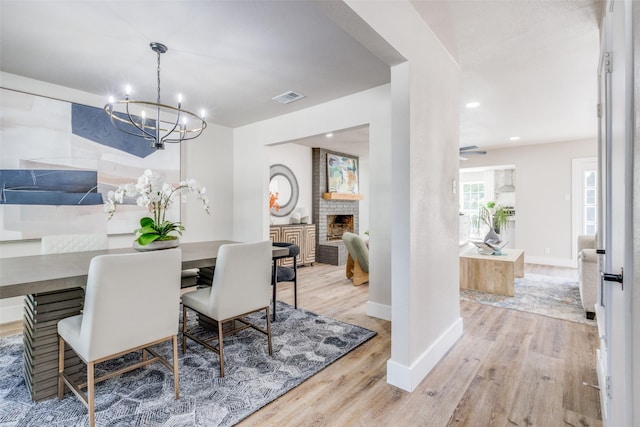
[588, 272]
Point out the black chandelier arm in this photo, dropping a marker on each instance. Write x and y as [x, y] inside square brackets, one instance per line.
[185, 138]
[175, 125]
[140, 128]
[115, 119]
[185, 134]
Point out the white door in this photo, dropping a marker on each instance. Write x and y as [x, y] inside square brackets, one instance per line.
[615, 233]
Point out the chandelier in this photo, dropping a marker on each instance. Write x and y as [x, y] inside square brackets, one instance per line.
[155, 122]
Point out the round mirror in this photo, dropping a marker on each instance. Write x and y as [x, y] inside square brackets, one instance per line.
[284, 182]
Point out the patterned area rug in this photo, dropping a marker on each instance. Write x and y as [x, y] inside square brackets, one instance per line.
[303, 344]
[536, 293]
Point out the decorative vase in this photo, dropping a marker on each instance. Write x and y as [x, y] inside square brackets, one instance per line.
[492, 236]
[156, 245]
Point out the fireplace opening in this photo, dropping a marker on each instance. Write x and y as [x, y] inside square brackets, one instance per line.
[337, 225]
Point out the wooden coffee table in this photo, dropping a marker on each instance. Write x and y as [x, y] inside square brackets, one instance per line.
[491, 273]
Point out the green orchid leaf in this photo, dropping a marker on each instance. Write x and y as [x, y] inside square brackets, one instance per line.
[145, 239]
[147, 230]
[146, 222]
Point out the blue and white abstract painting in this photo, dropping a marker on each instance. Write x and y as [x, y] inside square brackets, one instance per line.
[58, 160]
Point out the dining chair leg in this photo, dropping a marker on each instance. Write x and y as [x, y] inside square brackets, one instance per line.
[275, 284]
[91, 397]
[60, 367]
[269, 333]
[220, 347]
[176, 378]
[184, 329]
[295, 291]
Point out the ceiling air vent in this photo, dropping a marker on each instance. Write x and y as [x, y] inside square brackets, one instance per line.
[288, 97]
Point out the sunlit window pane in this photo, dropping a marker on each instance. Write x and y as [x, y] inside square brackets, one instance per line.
[590, 179]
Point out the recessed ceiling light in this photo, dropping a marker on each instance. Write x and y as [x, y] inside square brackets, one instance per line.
[329, 135]
[514, 138]
[474, 104]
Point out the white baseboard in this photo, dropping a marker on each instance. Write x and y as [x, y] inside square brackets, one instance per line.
[409, 377]
[556, 262]
[380, 311]
[11, 313]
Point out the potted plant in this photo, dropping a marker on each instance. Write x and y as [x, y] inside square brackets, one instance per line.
[496, 218]
[156, 195]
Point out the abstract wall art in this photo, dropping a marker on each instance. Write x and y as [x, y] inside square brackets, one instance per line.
[342, 174]
[58, 160]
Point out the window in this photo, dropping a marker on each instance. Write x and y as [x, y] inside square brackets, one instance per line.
[472, 196]
[589, 202]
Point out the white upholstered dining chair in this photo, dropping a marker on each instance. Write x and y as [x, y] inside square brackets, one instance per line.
[241, 285]
[132, 302]
[61, 243]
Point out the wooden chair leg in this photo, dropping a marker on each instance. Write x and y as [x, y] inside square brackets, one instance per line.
[220, 345]
[176, 375]
[349, 267]
[184, 329]
[359, 275]
[60, 367]
[91, 396]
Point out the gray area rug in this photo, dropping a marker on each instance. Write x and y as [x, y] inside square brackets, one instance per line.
[539, 294]
[303, 344]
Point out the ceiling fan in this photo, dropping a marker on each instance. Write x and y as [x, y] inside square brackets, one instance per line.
[470, 150]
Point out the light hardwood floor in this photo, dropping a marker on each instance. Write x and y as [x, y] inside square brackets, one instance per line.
[508, 369]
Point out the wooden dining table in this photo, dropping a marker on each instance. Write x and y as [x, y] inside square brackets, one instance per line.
[52, 286]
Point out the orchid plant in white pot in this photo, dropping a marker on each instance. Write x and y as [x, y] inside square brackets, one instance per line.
[156, 195]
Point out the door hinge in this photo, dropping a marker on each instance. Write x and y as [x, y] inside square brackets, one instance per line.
[599, 111]
[608, 387]
[608, 62]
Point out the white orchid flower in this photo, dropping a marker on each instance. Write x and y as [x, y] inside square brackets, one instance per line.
[154, 194]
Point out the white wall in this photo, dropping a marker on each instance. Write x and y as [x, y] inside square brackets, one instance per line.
[200, 159]
[363, 184]
[543, 195]
[424, 150]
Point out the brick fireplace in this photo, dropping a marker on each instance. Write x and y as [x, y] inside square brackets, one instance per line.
[333, 217]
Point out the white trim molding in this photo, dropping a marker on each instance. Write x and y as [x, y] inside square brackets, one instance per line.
[409, 377]
[381, 311]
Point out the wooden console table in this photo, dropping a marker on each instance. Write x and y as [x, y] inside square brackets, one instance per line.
[303, 235]
[491, 273]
